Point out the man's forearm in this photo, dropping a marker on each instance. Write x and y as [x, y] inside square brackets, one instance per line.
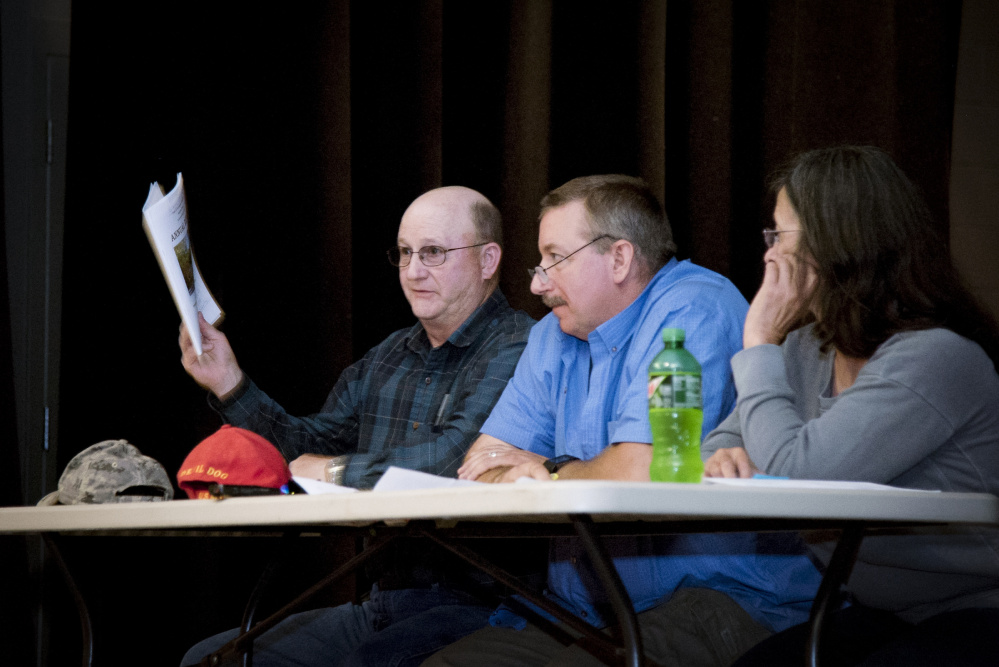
[625, 461]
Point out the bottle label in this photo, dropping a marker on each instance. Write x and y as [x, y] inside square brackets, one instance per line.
[675, 391]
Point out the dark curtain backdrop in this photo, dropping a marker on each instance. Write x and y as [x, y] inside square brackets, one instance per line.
[303, 131]
[15, 620]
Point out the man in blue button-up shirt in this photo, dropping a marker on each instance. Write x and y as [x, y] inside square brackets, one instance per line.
[577, 408]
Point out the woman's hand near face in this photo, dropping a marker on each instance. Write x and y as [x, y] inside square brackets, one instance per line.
[781, 300]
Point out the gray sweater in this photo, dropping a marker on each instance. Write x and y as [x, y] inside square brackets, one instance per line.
[923, 413]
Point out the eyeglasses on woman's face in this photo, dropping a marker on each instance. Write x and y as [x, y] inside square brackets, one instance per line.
[771, 237]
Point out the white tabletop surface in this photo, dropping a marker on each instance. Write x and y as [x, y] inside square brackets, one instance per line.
[521, 502]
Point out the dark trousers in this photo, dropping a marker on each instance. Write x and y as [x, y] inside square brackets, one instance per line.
[397, 628]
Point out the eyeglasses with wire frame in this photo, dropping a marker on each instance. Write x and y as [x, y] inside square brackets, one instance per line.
[772, 236]
[542, 271]
[430, 255]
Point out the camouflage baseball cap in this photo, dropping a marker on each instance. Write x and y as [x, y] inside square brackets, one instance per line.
[112, 471]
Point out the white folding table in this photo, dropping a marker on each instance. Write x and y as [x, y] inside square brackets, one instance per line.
[588, 509]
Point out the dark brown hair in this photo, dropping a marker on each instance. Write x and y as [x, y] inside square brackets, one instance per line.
[622, 207]
[882, 264]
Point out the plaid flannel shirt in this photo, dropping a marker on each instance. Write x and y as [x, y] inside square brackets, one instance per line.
[405, 403]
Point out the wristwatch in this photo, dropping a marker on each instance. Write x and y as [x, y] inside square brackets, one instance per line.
[336, 468]
[553, 465]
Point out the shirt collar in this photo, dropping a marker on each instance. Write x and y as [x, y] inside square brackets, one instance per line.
[418, 341]
[616, 331]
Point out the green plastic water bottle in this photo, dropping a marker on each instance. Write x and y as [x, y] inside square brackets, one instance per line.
[675, 412]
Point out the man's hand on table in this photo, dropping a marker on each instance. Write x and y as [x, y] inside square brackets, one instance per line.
[506, 474]
[490, 460]
[310, 466]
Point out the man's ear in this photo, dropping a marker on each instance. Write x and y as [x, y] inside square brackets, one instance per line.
[623, 258]
[489, 259]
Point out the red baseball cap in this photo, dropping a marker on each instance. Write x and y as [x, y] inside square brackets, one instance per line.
[235, 456]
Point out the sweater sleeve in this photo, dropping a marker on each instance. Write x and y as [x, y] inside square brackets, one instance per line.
[727, 434]
[907, 401]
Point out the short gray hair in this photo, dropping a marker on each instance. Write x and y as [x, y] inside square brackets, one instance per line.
[487, 221]
[622, 207]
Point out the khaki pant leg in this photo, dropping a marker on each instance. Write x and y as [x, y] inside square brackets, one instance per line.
[499, 647]
[697, 627]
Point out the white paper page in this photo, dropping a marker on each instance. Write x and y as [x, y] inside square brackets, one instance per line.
[166, 222]
[314, 487]
[807, 484]
[155, 194]
[402, 479]
[203, 300]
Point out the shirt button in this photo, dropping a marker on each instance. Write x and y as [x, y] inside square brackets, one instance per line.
[416, 425]
[613, 349]
[428, 380]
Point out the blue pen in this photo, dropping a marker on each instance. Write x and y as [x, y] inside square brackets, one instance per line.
[760, 475]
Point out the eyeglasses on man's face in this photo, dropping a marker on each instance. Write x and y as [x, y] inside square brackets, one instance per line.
[772, 236]
[430, 255]
[541, 271]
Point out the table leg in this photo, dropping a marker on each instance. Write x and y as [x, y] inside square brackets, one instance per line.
[258, 591]
[86, 629]
[244, 641]
[837, 574]
[620, 602]
[600, 645]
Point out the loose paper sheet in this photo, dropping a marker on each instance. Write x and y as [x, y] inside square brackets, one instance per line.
[315, 487]
[402, 479]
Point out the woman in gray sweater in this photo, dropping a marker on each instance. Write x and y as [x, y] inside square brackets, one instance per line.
[866, 359]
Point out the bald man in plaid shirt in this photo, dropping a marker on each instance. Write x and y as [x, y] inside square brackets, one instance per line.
[416, 401]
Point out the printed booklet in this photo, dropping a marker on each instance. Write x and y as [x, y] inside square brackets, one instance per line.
[164, 217]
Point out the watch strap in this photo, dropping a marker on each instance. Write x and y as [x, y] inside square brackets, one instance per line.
[553, 465]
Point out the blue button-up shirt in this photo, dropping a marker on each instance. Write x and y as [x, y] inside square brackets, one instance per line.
[570, 396]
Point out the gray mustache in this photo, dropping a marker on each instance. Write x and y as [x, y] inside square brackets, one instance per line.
[552, 301]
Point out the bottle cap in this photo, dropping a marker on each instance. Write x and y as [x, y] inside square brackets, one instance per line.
[673, 335]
